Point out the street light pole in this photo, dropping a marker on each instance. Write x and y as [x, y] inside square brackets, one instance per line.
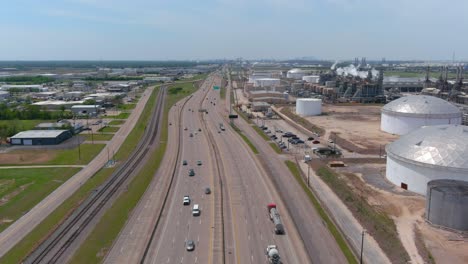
[362, 244]
[308, 174]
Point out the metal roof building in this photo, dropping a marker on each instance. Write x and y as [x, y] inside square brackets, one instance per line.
[426, 154]
[40, 137]
[411, 112]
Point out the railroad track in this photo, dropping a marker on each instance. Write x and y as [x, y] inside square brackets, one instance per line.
[53, 248]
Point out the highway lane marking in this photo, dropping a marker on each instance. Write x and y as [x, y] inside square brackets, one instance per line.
[182, 260]
[168, 259]
[196, 259]
[251, 258]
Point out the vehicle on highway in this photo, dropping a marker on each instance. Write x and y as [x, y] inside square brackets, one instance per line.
[189, 245]
[191, 172]
[199, 163]
[221, 126]
[275, 218]
[191, 134]
[186, 200]
[272, 254]
[196, 210]
[185, 128]
[199, 130]
[207, 190]
[184, 162]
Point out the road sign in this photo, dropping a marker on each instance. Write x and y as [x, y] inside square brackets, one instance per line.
[215, 87]
[233, 116]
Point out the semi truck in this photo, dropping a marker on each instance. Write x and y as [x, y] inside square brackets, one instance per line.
[275, 218]
[272, 254]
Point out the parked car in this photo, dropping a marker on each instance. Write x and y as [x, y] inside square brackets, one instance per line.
[316, 142]
[310, 138]
[184, 162]
[199, 163]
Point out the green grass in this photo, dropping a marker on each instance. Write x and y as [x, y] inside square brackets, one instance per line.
[222, 93]
[119, 116]
[86, 152]
[21, 250]
[126, 106]
[116, 122]
[329, 223]
[103, 235]
[109, 129]
[98, 137]
[245, 138]
[376, 222]
[275, 147]
[261, 133]
[37, 184]
[421, 74]
[22, 124]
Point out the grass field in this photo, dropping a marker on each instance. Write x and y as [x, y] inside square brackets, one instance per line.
[119, 116]
[76, 156]
[16, 254]
[116, 122]
[126, 106]
[109, 129]
[22, 124]
[328, 222]
[22, 189]
[98, 137]
[104, 234]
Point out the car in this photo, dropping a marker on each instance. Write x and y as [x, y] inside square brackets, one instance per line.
[191, 172]
[299, 141]
[283, 146]
[288, 134]
[184, 162]
[186, 200]
[310, 138]
[189, 245]
[185, 128]
[199, 163]
[330, 141]
[219, 131]
[316, 142]
[199, 130]
[264, 128]
[207, 190]
[268, 131]
[279, 131]
[274, 137]
[170, 124]
[191, 134]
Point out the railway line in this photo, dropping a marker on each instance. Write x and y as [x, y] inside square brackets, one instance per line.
[65, 239]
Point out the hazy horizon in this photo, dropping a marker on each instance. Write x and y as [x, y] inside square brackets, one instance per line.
[113, 30]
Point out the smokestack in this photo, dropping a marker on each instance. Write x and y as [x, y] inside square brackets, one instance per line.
[446, 73]
[427, 74]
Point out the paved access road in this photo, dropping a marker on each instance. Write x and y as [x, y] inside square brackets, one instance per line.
[17, 231]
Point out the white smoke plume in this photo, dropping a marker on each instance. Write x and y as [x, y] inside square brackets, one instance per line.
[352, 70]
[334, 65]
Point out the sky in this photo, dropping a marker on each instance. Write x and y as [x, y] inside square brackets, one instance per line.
[217, 29]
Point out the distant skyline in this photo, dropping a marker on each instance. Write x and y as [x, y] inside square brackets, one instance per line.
[214, 29]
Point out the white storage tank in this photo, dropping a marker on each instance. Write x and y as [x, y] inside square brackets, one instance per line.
[447, 204]
[311, 78]
[411, 112]
[296, 74]
[308, 106]
[426, 154]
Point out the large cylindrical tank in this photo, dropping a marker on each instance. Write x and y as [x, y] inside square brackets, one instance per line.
[308, 106]
[447, 204]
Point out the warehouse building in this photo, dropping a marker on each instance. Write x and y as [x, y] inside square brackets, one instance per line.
[91, 110]
[40, 137]
[426, 154]
[411, 112]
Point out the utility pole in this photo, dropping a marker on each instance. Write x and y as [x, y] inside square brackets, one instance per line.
[362, 244]
[79, 148]
[308, 174]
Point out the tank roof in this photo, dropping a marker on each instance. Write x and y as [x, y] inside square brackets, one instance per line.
[443, 146]
[422, 105]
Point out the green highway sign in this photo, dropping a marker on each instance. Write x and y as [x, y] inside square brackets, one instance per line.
[215, 87]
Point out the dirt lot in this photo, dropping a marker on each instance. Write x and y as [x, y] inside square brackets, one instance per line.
[407, 210]
[358, 124]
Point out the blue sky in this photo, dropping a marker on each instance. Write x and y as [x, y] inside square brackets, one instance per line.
[175, 29]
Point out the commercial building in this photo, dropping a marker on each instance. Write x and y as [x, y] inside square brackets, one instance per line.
[40, 137]
[296, 74]
[411, 112]
[90, 110]
[426, 154]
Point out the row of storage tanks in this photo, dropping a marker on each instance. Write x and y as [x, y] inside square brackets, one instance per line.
[431, 156]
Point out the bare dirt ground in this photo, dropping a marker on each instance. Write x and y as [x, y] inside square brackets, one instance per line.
[422, 241]
[22, 157]
[359, 124]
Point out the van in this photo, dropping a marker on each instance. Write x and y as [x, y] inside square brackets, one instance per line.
[196, 210]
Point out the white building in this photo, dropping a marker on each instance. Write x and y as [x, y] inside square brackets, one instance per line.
[411, 112]
[266, 82]
[296, 74]
[426, 154]
[311, 78]
[308, 106]
[91, 110]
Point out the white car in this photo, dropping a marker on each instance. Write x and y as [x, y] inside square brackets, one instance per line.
[186, 200]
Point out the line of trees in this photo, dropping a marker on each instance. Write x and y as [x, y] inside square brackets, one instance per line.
[27, 80]
[32, 112]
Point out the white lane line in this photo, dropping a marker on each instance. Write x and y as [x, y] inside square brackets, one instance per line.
[168, 259]
[196, 259]
[200, 221]
[182, 260]
[251, 258]
[198, 239]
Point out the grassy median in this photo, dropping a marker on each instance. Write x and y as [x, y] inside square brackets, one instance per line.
[48, 225]
[340, 240]
[245, 138]
[96, 246]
